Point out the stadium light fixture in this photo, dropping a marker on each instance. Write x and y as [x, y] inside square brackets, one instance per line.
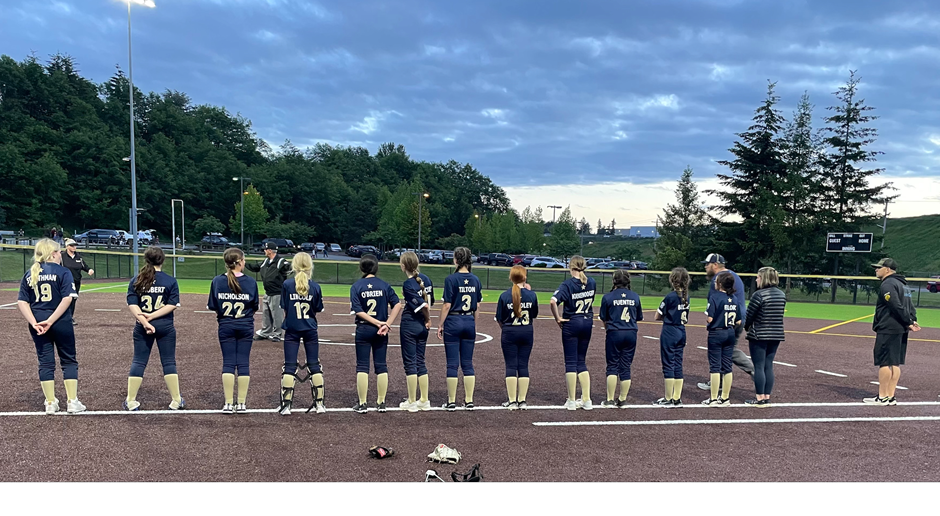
[421, 197]
[133, 157]
[242, 179]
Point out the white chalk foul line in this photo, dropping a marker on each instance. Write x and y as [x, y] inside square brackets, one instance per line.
[107, 309]
[784, 364]
[840, 375]
[652, 338]
[702, 347]
[740, 421]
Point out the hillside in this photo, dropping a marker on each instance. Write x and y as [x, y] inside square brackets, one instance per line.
[604, 247]
[915, 243]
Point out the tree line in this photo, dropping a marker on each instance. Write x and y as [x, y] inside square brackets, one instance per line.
[785, 186]
[64, 140]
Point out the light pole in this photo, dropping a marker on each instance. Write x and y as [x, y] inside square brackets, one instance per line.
[130, 80]
[242, 204]
[476, 216]
[421, 198]
[173, 220]
[553, 216]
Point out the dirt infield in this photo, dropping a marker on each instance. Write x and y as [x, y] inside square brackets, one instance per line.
[819, 442]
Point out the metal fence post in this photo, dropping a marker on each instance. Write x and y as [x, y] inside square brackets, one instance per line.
[337, 274]
[107, 265]
[487, 279]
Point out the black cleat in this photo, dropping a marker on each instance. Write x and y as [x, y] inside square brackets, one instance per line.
[360, 408]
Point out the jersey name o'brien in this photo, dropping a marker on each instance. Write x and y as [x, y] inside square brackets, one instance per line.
[232, 296]
[371, 293]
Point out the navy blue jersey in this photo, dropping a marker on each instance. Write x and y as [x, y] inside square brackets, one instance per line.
[372, 296]
[300, 312]
[229, 306]
[620, 309]
[673, 310]
[724, 310]
[739, 292]
[463, 291]
[164, 291]
[414, 301]
[576, 297]
[55, 284]
[529, 305]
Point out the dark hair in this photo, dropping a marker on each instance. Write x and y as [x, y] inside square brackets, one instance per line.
[231, 257]
[153, 257]
[679, 279]
[621, 279]
[726, 281]
[368, 264]
[463, 257]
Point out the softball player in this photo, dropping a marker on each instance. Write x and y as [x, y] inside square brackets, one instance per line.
[724, 315]
[46, 292]
[516, 309]
[152, 296]
[301, 301]
[619, 313]
[576, 322]
[370, 299]
[462, 292]
[418, 293]
[233, 296]
[674, 313]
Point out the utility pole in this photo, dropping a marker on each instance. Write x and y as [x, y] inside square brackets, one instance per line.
[553, 216]
[884, 224]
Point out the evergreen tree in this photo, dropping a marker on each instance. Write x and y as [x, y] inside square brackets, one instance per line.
[751, 191]
[685, 228]
[564, 241]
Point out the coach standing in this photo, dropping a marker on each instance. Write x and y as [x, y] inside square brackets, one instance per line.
[75, 263]
[273, 271]
[715, 265]
[895, 315]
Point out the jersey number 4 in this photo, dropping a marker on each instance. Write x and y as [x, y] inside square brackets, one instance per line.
[625, 316]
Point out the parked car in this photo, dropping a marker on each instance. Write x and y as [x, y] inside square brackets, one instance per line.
[214, 240]
[448, 256]
[436, 256]
[548, 262]
[642, 266]
[527, 261]
[602, 266]
[500, 259]
[356, 251]
[594, 261]
[335, 248]
[933, 286]
[98, 236]
[307, 247]
[320, 246]
[622, 265]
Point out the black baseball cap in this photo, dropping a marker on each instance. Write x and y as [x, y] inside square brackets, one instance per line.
[714, 258]
[886, 262]
[270, 245]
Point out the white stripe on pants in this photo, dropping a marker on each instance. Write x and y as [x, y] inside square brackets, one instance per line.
[273, 317]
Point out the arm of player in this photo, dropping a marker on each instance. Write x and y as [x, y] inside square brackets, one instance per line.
[59, 311]
[445, 309]
[28, 315]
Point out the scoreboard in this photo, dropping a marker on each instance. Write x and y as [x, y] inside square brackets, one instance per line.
[848, 242]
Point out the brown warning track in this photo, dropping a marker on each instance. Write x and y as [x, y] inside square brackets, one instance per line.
[255, 447]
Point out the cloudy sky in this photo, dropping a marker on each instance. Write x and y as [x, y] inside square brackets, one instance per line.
[596, 104]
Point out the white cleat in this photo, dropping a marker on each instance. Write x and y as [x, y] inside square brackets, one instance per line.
[423, 405]
[228, 408]
[52, 407]
[571, 405]
[241, 408]
[586, 404]
[321, 408]
[408, 406]
[75, 407]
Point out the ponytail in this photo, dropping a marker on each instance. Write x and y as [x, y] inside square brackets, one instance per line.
[517, 275]
[42, 254]
[153, 257]
[409, 261]
[726, 281]
[679, 279]
[231, 257]
[578, 265]
[302, 266]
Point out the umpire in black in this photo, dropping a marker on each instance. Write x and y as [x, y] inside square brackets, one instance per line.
[895, 316]
[75, 263]
[273, 271]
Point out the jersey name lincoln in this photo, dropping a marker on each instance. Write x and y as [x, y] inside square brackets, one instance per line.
[298, 297]
[229, 296]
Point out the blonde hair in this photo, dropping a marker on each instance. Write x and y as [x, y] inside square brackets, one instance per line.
[409, 260]
[516, 276]
[45, 248]
[302, 267]
[768, 277]
[578, 265]
[231, 257]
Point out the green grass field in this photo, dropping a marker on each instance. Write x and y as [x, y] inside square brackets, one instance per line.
[929, 318]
